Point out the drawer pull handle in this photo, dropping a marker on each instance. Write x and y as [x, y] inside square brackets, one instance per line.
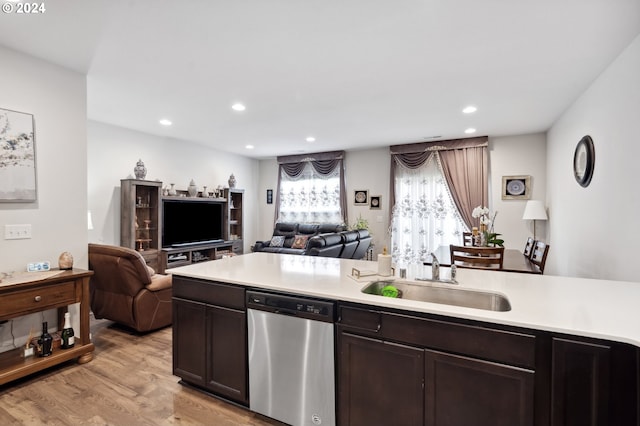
[37, 298]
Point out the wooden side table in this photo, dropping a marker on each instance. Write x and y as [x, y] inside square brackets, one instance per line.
[37, 292]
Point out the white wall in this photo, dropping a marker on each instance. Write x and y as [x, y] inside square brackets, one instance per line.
[516, 156]
[595, 229]
[114, 151]
[57, 99]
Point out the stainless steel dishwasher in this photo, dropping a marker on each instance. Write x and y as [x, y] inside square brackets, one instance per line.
[291, 358]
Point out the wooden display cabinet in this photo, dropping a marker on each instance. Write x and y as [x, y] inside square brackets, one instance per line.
[140, 217]
[235, 230]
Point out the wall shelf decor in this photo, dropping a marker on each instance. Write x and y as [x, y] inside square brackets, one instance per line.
[516, 187]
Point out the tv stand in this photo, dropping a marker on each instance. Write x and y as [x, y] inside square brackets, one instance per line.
[172, 257]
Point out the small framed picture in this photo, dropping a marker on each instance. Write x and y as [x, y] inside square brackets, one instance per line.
[361, 197]
[375, 202]
[516, 187]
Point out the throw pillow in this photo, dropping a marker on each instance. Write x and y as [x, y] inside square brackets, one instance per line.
[277, 241]
[300, 242]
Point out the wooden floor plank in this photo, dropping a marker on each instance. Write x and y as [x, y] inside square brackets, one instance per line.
[129, 382]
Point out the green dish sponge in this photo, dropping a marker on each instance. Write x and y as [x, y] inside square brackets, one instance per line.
[389, 291]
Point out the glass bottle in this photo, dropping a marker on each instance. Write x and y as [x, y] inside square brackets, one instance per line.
[67, 336]
[45, 342]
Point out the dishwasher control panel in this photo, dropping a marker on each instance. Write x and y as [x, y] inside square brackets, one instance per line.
[320, 310]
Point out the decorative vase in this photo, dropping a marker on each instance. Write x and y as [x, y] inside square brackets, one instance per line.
[205, 194]
[192, 189]
[172, 190]
[232, 181]
[140, 170]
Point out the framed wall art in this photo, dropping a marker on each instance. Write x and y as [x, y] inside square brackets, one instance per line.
[17, 157]
[375, 202]
[361, 197]
[516, 187]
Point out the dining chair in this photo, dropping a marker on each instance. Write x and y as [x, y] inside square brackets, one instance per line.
[467, 239]
[528, 247]
[539, 255]
[477, 257]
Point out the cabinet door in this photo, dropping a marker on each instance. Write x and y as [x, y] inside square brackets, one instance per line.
[463, 391]
[227, 352]
[189, 328]
[379, 383]
[580, 383]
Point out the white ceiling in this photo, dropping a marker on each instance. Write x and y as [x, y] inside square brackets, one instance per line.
[352, 73]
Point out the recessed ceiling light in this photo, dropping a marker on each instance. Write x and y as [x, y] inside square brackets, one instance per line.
[310, 139]
[249, 146]
[469, 109]
[470, 130]
[238, 107]
[165, 122]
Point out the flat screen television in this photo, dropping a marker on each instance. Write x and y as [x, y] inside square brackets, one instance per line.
[186, 222]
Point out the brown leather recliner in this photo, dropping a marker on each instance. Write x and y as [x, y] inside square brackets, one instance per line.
[125, 290]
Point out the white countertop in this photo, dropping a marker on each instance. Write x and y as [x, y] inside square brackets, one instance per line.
[584, 307]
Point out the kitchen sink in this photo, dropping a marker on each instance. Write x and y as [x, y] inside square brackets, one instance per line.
[448, 296]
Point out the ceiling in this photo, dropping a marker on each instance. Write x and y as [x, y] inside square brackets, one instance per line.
[354, 74]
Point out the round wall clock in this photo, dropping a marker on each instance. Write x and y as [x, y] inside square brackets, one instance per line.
[583, 161]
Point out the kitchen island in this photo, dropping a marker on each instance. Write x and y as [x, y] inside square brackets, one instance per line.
[564, 343]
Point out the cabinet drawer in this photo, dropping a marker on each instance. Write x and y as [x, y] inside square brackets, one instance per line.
[496, 345]
[213, 293]
[35, 300]
[362, 320]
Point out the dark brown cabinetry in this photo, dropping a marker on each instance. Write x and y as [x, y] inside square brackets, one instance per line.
[463, 391]
[140, 217]
[400, 369]
[477, 373]
[380, 383]
[210, 337]
[594, 382]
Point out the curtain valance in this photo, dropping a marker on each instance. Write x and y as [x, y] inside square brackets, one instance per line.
[421, 147]
[322, 162]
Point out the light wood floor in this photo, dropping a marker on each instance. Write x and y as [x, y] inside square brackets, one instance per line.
[129, 382]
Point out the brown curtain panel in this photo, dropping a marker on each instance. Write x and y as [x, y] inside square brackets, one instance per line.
[465, 163]
[323, 163]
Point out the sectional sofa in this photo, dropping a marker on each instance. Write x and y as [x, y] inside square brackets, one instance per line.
[327, 240]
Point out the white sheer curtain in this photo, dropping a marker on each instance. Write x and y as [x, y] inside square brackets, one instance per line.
[310, 197]
[424, 216]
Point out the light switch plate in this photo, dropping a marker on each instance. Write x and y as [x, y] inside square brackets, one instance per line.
[38, 266]
[17, 232]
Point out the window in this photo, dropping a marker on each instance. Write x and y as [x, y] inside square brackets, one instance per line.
[311, 189]
[310, 197]
[424, 216]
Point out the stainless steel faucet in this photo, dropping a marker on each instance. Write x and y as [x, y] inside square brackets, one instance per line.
[435, 267]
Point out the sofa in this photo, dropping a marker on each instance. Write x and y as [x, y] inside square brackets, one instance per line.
[125, 290]
[327, 240]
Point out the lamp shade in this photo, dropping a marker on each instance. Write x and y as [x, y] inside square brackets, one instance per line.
[534, 210]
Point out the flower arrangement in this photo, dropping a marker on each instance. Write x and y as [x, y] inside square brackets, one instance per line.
[486, 220]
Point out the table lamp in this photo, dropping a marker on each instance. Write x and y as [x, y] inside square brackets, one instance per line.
[534, 210]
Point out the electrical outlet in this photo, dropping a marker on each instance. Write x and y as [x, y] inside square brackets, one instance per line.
[17, 232]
